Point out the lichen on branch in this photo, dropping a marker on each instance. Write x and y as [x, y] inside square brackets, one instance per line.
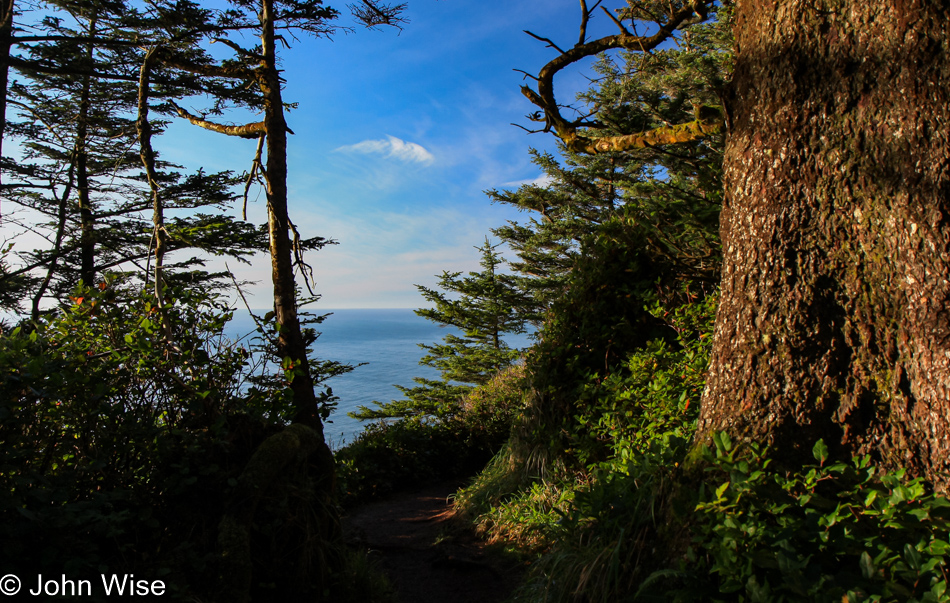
[252, 130]
[678, 14]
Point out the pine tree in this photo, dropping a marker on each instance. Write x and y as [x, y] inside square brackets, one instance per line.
[484, 306]
[666, 200]
[76, 96]
[618, 233]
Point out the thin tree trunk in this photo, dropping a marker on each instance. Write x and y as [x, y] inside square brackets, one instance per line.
[58, 244]
[87, 247]
[835, 312]
[290, 341]
[147, 155]
[6, 35]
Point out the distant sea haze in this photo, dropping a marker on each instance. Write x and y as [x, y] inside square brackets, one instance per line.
[386, 340]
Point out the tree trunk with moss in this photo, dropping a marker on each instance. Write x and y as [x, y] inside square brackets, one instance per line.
[835, 315]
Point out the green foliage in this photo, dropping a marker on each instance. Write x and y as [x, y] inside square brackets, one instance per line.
[13, 287]
[388, 457]
[830, 531]
[632, 427]
[646, 412]
[627, 254]
[118, 450]
[361, 581]
[615, 236]
[483, 306]
[599, 371]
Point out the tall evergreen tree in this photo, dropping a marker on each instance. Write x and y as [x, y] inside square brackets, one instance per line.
[76, 97]
[256, 69]
[618, 233]
[669, 198]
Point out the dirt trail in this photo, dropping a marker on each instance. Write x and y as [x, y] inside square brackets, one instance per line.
[427, 557]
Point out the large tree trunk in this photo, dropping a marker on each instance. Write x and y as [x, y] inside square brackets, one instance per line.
[316, 555]
[835, 315]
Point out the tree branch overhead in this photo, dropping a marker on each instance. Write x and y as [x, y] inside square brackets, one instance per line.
[570, 131]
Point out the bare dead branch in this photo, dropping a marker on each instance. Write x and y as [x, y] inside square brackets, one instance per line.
[585, 18]
[550, 43]
[526, 74]
[256, 165]
[526, 129]
[257, 321]
[306, 270]
[616, 21]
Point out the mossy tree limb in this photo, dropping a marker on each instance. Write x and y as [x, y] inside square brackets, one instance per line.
[667, 19]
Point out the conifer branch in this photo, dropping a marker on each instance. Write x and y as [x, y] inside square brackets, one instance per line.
[372, 14]
[96, 40]
[238, 49]
[24, 65]
[228, 71]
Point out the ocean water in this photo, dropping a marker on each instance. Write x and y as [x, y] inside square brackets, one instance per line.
[386, 340]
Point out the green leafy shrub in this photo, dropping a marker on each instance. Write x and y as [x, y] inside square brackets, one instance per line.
[593, 526]
[389, 457]
[829, 532]
[125, 432]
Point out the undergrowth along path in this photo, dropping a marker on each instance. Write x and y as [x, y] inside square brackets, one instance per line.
[428, 555]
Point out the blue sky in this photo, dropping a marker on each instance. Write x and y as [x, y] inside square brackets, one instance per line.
[397, 135]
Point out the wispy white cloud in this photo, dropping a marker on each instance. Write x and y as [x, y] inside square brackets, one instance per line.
[542, 181]
[391, 147]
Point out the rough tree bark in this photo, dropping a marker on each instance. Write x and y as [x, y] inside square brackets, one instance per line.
[835, 312]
